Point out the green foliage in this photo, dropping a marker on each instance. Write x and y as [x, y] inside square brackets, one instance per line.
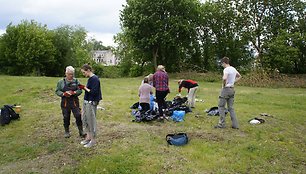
[27, 49]
[71, 48]
[136, 70]
[282, 53]
[93, 44]
[111, 72]
[31, 49]
[162, 31]
[98, 69]
[186, 35]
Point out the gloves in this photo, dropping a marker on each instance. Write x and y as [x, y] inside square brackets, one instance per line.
[81, 86]
[72, 92]
[66, 94]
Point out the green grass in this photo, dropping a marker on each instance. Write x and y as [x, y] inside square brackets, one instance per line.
[35, 143]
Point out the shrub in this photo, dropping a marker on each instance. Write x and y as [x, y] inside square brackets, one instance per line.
[261, 78]
[111, 72]
[136, 70]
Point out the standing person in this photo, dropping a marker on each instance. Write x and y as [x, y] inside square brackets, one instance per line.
[144, 95]
[91, 100]
[192, 87]
[160, 82]
[67, 89]
[230, 76]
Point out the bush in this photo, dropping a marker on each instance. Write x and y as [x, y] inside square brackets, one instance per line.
[111, 72]
[262, 78]
[136, 70]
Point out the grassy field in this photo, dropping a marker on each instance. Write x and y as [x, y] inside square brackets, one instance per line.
[35, 143]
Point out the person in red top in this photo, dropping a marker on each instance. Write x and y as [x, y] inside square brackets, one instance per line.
[192, 87]
[161, 84]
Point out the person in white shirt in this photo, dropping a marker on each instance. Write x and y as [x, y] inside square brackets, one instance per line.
[230, 76]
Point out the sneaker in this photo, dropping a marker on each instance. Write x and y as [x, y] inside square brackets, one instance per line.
[67, 134]
[90, 144]
[219, 127]
[85, 142]
[235, 127]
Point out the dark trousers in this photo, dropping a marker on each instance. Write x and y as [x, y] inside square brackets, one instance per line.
[145, 107]
[160, 99]
[66, 116]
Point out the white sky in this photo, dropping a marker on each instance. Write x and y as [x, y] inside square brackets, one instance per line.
[99, 17]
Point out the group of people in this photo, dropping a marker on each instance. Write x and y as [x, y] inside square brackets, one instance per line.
[160, 81]
[69, 88]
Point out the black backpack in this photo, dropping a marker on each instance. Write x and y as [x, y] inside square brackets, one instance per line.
[214, 111]
[8, 114]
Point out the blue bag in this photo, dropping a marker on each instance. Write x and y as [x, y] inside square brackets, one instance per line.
[179, 139]
[178, 116]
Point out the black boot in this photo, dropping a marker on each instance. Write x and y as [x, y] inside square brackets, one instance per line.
[67, 133]
[81, 132]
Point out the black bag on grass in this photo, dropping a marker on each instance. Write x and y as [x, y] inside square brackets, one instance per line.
[8, 114]
[178, 139]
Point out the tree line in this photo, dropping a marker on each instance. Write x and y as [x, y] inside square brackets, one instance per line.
[30, 48]
[180, 34]
[190, 35]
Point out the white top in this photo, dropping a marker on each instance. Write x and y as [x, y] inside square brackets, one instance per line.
[230, 72]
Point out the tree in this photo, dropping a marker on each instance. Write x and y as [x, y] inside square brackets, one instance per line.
[30, 48]
[221, 35]
[94, 44]
[263, 20]
[163, 30]
[27, 49]
[282, 53]
[72, 47]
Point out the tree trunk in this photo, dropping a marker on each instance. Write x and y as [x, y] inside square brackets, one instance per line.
[155, 54]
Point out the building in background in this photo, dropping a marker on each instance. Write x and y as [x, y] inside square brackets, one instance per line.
[105, 57]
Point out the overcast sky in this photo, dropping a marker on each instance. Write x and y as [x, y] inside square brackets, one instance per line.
[99, 17]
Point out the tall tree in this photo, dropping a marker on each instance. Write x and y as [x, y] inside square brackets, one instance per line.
[164, 29]
[72, 47]
[27, 49]
[221, 35]
[264, 19]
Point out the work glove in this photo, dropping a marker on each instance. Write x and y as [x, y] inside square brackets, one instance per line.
[72, 92]
[81, 86]
[66, 94]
